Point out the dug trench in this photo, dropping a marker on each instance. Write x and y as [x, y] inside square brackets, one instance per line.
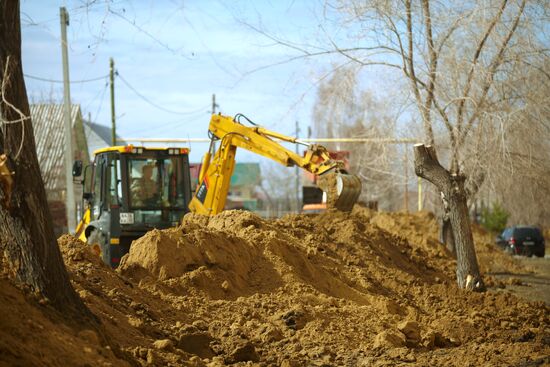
[333, 289]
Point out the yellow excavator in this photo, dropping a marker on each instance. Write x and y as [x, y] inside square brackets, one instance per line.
[131, 190]
[342, 189]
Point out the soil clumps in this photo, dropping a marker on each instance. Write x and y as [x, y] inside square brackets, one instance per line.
[334, 289]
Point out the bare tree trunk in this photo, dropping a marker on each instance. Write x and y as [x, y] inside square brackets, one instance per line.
[446, 234]
[27, 239]
[427, 166]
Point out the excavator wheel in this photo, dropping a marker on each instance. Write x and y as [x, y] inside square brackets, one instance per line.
[342, 190]
[99, 246]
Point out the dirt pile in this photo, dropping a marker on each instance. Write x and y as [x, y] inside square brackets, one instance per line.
[422, 229]
[332, 289]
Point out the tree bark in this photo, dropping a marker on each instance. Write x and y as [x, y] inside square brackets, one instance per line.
[27, 240]
[446, 235]
[427, 166]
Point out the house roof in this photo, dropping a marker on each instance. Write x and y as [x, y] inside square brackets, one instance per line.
[49, 134]
[98, 136]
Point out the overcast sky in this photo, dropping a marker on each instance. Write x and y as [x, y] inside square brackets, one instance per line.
[176, 54]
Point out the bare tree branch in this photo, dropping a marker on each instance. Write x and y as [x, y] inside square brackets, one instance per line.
[433, 61]
[497, 61]
[477, 54]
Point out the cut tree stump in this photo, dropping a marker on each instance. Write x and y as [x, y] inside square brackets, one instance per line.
[451, 186]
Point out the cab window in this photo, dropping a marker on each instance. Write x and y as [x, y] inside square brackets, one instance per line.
[96, 185]
[156, 183]
[114, 187]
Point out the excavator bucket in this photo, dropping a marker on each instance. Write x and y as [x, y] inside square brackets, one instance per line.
[342, 190]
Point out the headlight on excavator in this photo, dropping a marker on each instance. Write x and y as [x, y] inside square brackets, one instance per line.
[174, 151]
[131, 149]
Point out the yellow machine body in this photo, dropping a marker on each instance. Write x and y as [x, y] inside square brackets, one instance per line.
[217, 167]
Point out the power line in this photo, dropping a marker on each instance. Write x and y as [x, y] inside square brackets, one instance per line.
[153, 103]
[101, 101]
[101, 92]
[171, 124]
[61, 81]
[76, 10]
[146, 33]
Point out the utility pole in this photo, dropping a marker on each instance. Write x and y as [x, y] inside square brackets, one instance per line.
[298, 209]
[69, 197]
[112, 82]
[214, 104]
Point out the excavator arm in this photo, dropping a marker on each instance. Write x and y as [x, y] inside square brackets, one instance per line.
[217, 167]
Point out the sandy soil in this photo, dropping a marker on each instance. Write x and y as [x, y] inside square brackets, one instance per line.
[334, 289]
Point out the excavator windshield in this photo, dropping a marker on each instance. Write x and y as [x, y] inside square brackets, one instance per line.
[156, 185]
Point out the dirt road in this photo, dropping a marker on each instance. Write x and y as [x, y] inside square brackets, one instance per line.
[533, 285]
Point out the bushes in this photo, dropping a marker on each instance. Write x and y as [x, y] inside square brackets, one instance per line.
[494, 219]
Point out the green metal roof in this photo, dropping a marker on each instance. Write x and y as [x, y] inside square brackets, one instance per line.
[246, 174]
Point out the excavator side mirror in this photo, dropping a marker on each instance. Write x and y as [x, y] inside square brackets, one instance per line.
[77, 168]
[87, 195]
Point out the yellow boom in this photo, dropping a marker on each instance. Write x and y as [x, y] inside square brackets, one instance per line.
[214, 178]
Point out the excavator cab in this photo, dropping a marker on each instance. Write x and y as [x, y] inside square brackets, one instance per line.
[129, 191]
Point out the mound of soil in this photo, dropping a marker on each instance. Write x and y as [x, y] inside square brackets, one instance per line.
[358, 289]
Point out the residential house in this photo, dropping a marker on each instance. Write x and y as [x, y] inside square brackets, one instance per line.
[49, 133]
[98, 136]
[245, 180]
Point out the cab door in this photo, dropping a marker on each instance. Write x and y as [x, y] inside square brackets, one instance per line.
[98, 187]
